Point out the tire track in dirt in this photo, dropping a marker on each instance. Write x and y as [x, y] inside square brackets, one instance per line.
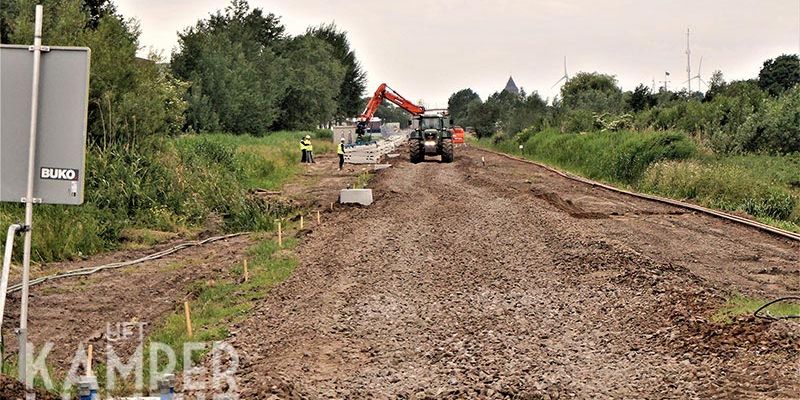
[459, 282]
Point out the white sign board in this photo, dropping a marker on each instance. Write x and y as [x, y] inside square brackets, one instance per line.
[61, 137]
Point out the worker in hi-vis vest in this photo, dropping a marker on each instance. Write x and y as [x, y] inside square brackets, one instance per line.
[303, 151]
[340, 152]
[309, 150]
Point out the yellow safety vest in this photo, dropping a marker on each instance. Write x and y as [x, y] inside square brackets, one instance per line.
[340, 149]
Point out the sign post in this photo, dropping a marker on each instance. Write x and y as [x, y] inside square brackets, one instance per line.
[43, 108]
[29, 200]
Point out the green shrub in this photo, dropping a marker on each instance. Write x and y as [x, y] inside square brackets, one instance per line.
[774, 129]
[169, 185]
[323, 134]
[639, 151]
[724, 186]
[577, 121]
[614, 156]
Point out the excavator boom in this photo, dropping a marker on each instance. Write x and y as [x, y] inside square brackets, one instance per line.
[387, 93]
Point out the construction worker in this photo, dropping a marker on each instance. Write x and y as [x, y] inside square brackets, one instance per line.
[340, 152]
[309, 150]
[304, 157]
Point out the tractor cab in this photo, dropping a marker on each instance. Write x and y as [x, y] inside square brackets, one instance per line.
[431, 135]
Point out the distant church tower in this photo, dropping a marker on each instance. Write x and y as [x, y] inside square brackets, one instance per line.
[511, 87]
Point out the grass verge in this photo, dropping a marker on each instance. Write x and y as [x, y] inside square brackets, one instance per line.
[181, 185]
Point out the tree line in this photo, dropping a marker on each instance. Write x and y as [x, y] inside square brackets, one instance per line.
[236, 71]
[754, 115]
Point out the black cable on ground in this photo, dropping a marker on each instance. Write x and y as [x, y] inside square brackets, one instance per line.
[154, 256]
[758, 314]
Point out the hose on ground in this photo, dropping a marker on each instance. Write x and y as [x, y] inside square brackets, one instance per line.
[766, 316]
[92, 270]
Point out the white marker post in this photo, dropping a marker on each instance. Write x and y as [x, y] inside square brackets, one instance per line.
[29, 200]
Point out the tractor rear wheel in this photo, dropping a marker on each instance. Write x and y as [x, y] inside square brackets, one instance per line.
[447, 150]
[417, 153]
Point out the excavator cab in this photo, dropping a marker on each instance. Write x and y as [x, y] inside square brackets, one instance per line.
[362, 136]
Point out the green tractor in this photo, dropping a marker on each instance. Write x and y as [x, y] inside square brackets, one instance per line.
[431, 136]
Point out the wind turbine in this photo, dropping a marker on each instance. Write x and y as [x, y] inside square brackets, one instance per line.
[698, 77]
[564, 78]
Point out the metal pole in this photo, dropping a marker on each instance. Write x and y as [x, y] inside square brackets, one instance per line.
[688, 62]
[26, 257]
[12, 231]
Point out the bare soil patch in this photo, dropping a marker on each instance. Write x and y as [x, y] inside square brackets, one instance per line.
[461, 282]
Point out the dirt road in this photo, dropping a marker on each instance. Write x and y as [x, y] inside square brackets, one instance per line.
[467, 281]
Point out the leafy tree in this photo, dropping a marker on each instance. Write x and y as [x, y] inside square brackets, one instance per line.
[230, 91]
[716, 85]
[8, 13]
[502, 111]
[484, 118]
[774, 129]
[747, 90]
[97, 9]
[234, 69]
[355, 79]
[248, 76]
[641, 98]
[314, 79]
[505, 104]
[494, 114]
[459, 104]
[128, 98]
[530, 112]
[248, 26]
[592, 91]
[780, 74]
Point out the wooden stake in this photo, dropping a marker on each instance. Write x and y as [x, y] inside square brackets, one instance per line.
[188, 314]
[280, 234]
[89, 352]
[318, 220]
[301, 222]
[331, 206]
[246, 272]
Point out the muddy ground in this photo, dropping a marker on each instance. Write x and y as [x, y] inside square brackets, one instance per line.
[505, 280]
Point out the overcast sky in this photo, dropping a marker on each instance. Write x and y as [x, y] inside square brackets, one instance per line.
[428, 49]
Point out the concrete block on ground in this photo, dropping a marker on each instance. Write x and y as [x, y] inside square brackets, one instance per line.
[378, 167]
[356, 196]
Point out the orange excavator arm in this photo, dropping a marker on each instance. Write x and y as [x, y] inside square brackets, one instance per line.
[384, 92]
